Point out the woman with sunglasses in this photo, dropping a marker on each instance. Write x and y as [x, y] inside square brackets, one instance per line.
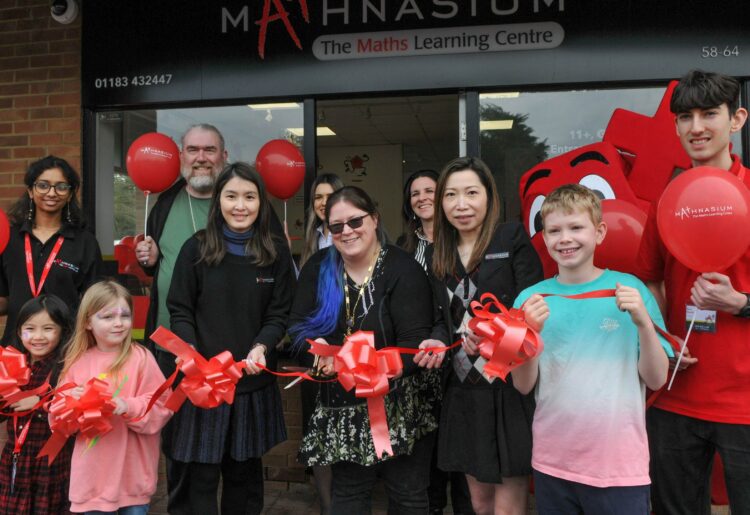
[362, 283]
[485, 424]
[49, 249]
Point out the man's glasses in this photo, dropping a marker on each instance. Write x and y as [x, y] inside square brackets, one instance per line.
[354, 223]
[61, 188]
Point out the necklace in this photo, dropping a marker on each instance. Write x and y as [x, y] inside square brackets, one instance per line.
[192, 217]
[350, 315]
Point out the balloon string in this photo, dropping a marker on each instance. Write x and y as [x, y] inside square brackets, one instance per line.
[285, 213]
[682, 350]
[145, 216]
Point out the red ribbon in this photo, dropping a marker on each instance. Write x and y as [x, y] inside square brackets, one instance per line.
[367, 370]
[599, 294]
[207, 383]
[90, 415]
[507, 340]
[14, 373]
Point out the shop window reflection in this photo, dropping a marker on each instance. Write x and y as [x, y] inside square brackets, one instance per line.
[521, 129]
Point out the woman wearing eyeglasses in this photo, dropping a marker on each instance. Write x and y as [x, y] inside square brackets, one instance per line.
[49, 249]
[362, 283]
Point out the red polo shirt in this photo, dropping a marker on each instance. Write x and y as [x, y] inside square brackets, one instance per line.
[717, 387]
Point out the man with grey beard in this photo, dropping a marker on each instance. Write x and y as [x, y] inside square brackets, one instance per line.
[179, 212]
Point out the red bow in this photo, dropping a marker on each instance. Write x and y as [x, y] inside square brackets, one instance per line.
[207, 383]
[507, 340]
[367, 370]
[14, 373]
[89, 414]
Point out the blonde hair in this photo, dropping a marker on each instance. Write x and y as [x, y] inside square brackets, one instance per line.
[96, 298]
[570, 198]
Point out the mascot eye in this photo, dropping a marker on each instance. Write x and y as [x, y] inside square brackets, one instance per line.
[535, 216]
[598, 185]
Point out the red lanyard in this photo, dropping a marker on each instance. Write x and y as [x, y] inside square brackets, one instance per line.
[47, 266]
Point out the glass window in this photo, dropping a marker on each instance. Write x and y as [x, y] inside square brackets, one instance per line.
[120, 206]
[520, 129]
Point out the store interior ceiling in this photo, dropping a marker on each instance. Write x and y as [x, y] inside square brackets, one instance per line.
[426, 126]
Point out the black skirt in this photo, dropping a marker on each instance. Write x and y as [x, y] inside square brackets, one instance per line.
[485, 432]
[246, 429]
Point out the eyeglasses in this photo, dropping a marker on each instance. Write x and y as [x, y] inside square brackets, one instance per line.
[61, 188]
[354, 223]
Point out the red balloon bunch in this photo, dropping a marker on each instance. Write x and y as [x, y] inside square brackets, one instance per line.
[153, 162]
[4, 231]
[282, 168]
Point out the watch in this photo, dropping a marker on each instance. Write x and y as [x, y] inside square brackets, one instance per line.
[745, 311]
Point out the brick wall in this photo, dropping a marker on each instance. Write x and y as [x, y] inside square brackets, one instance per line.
[40, 91]
[40, 114]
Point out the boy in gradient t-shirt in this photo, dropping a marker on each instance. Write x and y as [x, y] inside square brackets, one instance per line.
[590, 450]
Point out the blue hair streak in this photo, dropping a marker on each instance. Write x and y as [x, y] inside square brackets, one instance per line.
[322, 322]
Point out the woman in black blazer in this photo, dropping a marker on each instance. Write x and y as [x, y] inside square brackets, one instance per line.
[485, 424]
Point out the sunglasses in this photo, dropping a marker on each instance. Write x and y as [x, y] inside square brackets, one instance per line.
[354, 223]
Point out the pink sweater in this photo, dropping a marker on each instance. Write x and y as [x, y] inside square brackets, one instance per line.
[121, 469]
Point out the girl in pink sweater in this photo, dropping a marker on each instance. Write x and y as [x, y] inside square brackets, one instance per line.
[118, 472]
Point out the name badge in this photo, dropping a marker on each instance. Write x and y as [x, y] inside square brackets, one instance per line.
[498, 255]
[705, 319]
[265, 280]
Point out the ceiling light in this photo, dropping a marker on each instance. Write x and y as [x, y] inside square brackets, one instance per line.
[278, 105]
[320, 131]
[495, 125]
[506, 94]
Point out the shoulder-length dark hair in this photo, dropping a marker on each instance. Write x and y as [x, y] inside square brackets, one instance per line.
[330, 293]
[19, 212]
[313, 222]
[261, 245]
[413, 222]
[445, 235]
[59, 313]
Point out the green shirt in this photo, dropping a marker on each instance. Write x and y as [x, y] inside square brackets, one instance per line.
[177, 229]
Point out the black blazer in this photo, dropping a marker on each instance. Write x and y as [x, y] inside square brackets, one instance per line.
[510, 265]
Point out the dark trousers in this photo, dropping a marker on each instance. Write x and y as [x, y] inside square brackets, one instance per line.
[555, 496]
[193, 487]
[437, 491]
[682, 452]
[405, 477]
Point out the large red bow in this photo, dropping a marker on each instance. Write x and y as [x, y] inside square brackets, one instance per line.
[207, 383]
[367, 370]
[90, 414]
[507, 340]
[14, 373]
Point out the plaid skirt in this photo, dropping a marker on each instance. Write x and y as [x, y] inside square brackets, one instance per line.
[39, 488]
[246, 429]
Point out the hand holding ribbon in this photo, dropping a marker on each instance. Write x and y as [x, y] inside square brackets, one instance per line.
[90, 414]
[207, 383]
[507, 340]
[366, 370]
[14, 373]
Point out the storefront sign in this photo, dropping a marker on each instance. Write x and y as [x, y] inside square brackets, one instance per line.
[142, 52]
[455, 40]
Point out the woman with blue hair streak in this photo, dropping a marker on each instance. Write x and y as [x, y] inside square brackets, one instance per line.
[363, 283]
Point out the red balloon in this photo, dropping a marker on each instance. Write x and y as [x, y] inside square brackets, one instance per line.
[703, 218]
[4, 231]
[625, 223]
[282, 167]
[153, 162]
